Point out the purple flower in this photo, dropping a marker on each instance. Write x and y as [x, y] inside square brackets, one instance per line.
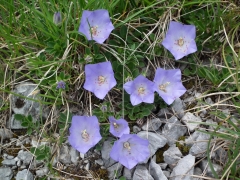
[99, 78]
[140, 90]
[168, 84]
[61, 85]
[84, 133]
[118, 127]
[96, 25]
[57, 18]
[179, 39]
[130, 150]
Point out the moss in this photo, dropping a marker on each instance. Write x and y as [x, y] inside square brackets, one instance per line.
[159, 154]
[102, 173]
[183, 147]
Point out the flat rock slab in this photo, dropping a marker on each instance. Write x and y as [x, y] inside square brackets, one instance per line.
[24, 174]
[191, 121]
[141, 173]
[172, 156]
[204, 163]
[156, 171]
[152, 125]
[184, 168]
[6, 173]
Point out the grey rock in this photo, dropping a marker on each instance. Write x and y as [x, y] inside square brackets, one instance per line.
[173, 129]
[197, 171]
[9, 157]
[42, 172]
[6, 173]
[156, 171]
[184, 168]
[141, 173]
[15, 124]
[172, 156]
[163, 165]
[64, 156]
[14, 167]
[5, 134]
[136, 129]
[74, 154]
[152, 125]
[178, 107]
[25, 157]
[87, 166]
[19, 163]
[105, 151]
[211, 124]
[25, 106]
[82, 155]
[156, 141]
[209, 101]
[164, 113]
[204, 163]
[221, 155]
[128, 173]
[191, 121]
[99, 162]
[9, 162]
[117, 167]
[24, 174]
[166, 173]
[200, 146]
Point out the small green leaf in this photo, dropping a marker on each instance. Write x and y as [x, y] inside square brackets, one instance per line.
[19, 117]
[41, 157]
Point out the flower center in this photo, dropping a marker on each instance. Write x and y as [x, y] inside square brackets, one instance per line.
[127, 145]
[93, 30]
[141, 90]
[85, 135]
[162, 87]
[101, 80]
[180, 41]
[115, 125]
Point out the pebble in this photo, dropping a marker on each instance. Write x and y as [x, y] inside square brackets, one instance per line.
[9, 162]
[24, 174]
[99, 162]
[42, 172]
[6, 173]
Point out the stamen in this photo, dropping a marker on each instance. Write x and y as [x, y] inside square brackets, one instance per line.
[127, 145]
[180, 41]
[85, 135]
[101, 80]
[141, 90]
[94, 30]
[115, 125]
[162, 87]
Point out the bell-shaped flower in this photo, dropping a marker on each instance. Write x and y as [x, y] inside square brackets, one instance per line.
[129, 150]
[84, 133]
[118, 127]
[96, 25]
[140, 90]
[168, 84]
[99, 78]
[180, 39]
[61, 85]
[57, 18]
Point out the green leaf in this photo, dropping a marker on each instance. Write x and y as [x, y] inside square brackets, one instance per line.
[25, 124]
[19, 117]
[123, 32]
[41, 157]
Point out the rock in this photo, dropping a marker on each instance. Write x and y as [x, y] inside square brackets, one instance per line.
[172, 156]
[208, 171]
[163, 165]
[128, 173]
[15, 124]
[191, 121]
[64, 156]
[156, 141]
[164, 113]
[9, 157]
[74, 154]
[42, 172]
[36, 143]
[25, 157]
[99, 162]
[141, 172]
[105, 151]
[173, 129]
[136, 129]
[25, 106]
[24, 174]
[117, 167]
[82, 155]
[6, 173]
[152, 125]
[198, 172]
[5, 134]
[200, 146]
[184, 168]
[166, 173]
[212, 125]
[9, 162]
[156, 171]
[209, 101]
[87, 166]
[178, 108]
[221, 155]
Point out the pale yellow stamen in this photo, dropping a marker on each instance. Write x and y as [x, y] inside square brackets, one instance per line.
[141, 90]
[85, 135]
[101, 79]
[94, 30]
[180, 41]
[162, 87]
[127, 145]
[115, 125]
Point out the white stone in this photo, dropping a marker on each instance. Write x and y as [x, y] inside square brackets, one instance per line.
[191, 121]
